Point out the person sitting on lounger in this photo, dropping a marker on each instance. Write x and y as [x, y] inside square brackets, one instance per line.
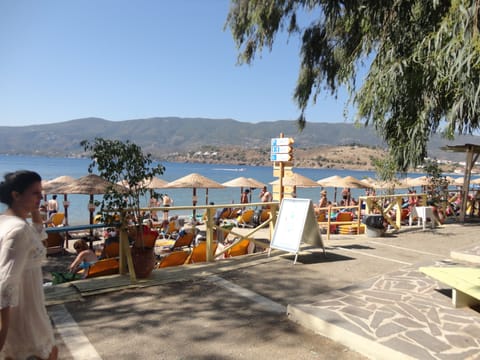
[85, 257]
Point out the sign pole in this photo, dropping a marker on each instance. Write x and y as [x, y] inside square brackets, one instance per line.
[280, 183]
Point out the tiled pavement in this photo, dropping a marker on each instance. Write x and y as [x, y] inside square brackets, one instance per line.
[400, 315]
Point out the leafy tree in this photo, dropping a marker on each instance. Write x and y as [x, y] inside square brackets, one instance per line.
[422, 58]
[437, 188]
[386, 170]
[121, 162]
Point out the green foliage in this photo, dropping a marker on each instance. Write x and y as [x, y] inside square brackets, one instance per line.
[437, 188]
[423, 60]
[386, 170]
[125, 163]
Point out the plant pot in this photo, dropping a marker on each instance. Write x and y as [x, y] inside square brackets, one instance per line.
[143, 261]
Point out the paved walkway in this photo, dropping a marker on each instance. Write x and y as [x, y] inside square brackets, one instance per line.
[367, 294]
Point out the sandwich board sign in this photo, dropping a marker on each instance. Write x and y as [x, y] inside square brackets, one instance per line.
[296, 223]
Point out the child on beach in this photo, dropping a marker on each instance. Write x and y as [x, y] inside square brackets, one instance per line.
[85, 257]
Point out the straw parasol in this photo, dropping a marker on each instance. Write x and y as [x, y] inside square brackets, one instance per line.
[419, 181]
[330, 181]
[475, 181]
[377, 184]
[242, 182]
[194, 181]
[296, 180]
[90, 185]
[52, 186]
[155, 183]
[152, 183]
[458, 181]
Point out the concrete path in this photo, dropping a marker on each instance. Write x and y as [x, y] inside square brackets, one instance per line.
[367, 295]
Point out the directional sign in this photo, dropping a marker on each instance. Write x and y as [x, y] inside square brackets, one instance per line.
[280, 157]
[281, 141]
[282, 149]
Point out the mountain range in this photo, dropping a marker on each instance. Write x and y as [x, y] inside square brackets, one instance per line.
[163, 135]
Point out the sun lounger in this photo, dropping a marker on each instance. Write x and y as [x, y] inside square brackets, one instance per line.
[175, 258]
[54, 243]
[103, 267]
[199, 253]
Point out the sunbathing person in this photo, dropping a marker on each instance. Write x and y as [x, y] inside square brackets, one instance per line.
[85, 257]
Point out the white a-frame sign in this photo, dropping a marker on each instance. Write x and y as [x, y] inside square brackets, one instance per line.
[296, 223]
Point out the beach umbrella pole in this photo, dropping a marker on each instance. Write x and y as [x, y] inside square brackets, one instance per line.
[194, 202]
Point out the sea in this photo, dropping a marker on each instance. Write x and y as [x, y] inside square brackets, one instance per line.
[50, 168]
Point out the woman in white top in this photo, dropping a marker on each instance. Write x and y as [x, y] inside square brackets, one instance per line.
[26, 330]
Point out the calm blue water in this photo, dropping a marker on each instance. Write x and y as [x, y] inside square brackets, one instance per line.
[50, 168]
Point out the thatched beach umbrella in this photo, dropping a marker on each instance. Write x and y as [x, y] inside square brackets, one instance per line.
[419, 181]
[242, 182]
[154, 183]
[151, 183]
[90, 185]
[52, 186]
[475, 181]
[393, 184]
[296, 180]
[331, 181]
[194, 181]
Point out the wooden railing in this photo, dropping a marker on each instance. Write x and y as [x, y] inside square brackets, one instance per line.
[211, 227]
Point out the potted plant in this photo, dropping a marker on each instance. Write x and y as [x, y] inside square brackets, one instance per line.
[125, 163]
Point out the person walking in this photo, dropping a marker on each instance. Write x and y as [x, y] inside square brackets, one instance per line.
[265, 196]
[244, 197]
[167, 202]
[52, 206]
[26, 331]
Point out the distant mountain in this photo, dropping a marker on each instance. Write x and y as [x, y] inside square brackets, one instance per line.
[173, 134]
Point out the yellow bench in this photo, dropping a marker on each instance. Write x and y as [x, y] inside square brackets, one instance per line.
[465, 283]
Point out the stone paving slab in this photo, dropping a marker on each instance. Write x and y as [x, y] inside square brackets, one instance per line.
[400, 315]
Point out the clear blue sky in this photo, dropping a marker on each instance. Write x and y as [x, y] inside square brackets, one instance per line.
[127, 59]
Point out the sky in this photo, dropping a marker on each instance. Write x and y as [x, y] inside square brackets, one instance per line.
[122, 59]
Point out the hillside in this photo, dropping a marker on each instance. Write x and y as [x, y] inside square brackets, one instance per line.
[178, 139]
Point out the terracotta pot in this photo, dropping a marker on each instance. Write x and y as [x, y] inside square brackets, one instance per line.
[143, 261]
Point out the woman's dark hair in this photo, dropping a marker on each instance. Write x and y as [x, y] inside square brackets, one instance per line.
[18, 181]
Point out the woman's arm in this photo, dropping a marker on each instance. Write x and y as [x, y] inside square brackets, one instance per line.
[5, 314]
[74, 265]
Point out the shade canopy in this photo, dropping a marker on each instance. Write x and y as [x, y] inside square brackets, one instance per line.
[377, 184]
[89, 184]
[297, 180]
[350, 182]
[155, 183]
[151, 183]
[51, 186]
[243, 182]
[194, 180]
[330, 181]
[257, 184]
[419, 181]
[458, 181]
[475, 181]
